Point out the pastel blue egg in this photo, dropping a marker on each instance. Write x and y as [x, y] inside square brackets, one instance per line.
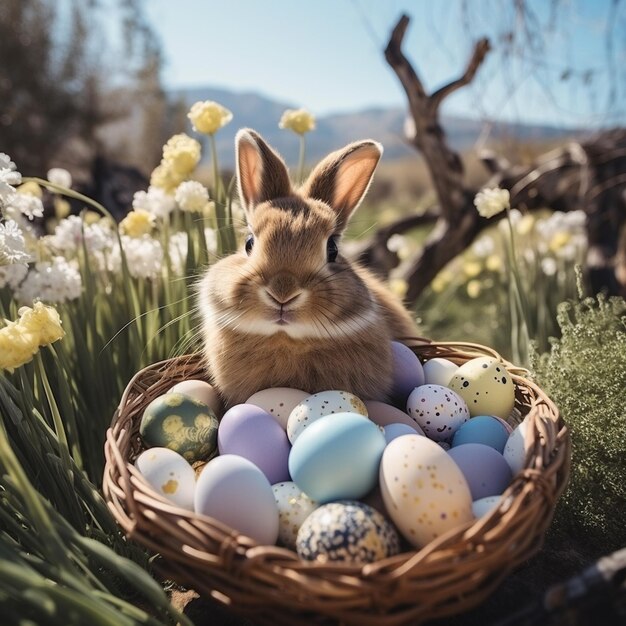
[484, 429]
[337, 457]
[393, 431]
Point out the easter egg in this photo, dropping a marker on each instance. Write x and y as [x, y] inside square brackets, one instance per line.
[384, 414]
[438, 411]
[408, 373]
[234, 491]
[486, 386]
[507, 426]
[279, 402]
[517, 447]
[485, 429]
[486, 471]
[347, 532]
[319, 405]
[439, 371]
[424, 491]
[169, 475]
[294, 506]
[182, 424]
[484, 506]
[337, 457]
[393, 431]
[200, 390]
[254, 434]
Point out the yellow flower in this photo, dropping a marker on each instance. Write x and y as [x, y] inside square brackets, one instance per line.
[208, 117]
[525, 225]
[42, 322]
[441, 281]
[399, 286]
[474, 288]
[61, 207]
[181, 155]
[490, 202]
[163, 177]
[493, 263]
[137, 223]
[300, 121]
[31, 188]
[472, 268]
[17, 346]
[559, 240]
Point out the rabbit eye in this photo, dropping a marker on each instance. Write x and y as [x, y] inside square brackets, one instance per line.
[249, 243]
[331, 250]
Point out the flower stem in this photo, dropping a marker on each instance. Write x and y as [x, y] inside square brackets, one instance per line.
[301, 159]
[220, 214]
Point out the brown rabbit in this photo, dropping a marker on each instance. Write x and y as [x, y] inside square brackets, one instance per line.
[289, 310]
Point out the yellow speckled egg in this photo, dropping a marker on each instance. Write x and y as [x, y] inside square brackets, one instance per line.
[169, 475]
[424, 491]
[294, 506]
[486, 386]
[182, 424]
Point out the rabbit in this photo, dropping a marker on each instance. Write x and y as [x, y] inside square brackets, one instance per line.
[288, 309]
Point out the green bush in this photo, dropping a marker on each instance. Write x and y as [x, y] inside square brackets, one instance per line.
[585, 374]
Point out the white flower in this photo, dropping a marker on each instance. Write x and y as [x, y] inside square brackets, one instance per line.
[12, 244]
[56, 281]
[68, 236]
[59, 176]
[483, 247]
[211, 240]
[490, 202]
[191, 196]
[155, 201]
[178, 252]
[8, 178]
[26, 204]
[12, 275]
[549, 266]
[144, 256]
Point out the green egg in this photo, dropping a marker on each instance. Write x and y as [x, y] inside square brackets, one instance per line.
[180, 423]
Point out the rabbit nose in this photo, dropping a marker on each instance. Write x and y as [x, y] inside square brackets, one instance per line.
[282, 300]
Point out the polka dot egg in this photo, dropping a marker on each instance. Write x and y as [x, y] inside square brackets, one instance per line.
[348, 532]
[486, 386]
[294, 506]
[437, 410]
[319, 405]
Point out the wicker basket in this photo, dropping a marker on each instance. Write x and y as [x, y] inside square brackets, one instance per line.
[450, 575]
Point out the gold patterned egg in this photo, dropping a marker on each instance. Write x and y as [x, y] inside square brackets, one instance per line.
[182, 424]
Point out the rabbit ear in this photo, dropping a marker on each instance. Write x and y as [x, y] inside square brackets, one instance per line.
[341, 180]
[261, 173]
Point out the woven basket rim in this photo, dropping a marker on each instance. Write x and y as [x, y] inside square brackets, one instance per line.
[405, 588]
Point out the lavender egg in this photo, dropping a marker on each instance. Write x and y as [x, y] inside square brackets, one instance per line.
[486, 471]
[385, 414]
[249, 431]
[408, 373]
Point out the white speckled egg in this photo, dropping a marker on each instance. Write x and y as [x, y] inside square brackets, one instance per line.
[279, 402]
[200, 390]
[235, 491]
[169, 474]
[319, 405]
[424, 491]
[348, 532]
[294, 506]
[439, 371]
[516, 448]
[486, 386]
[438, 411]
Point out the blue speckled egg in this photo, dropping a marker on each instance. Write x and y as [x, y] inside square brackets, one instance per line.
[485, 429]
[348, 532]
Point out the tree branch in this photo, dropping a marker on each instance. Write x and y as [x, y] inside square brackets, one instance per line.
[481, 48]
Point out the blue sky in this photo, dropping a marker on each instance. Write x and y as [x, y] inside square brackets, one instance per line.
[327, 55]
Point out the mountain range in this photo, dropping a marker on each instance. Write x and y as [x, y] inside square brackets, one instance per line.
[336, 130]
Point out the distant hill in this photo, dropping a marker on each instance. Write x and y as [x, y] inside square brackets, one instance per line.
[334, 131]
